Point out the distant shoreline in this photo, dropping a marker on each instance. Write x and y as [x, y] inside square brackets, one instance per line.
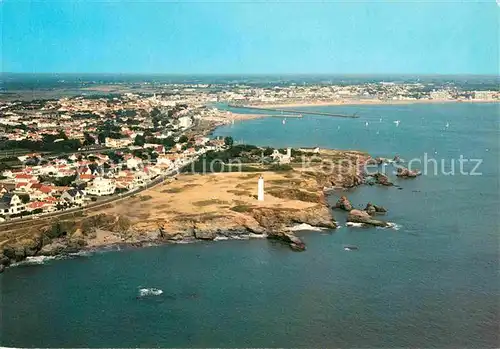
[365, 102]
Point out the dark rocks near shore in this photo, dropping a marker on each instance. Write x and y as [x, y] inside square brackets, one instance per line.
[344, 204]
[372, 209]
[4, 262]
[358, 216]
[406, 173]
[291, 239]
[382, 179]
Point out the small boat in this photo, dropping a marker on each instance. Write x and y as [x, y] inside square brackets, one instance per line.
[350, 248]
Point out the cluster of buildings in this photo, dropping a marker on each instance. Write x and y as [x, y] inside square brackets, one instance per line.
[336, 93]
[130, 114]
[36, 189]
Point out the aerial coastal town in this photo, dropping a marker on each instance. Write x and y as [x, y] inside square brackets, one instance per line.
[66, 153]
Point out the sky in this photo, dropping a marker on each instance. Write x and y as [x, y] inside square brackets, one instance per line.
[245, 37]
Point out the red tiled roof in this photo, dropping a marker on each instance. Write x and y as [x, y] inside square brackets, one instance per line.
[46, 189]
[36, 204]
[50, 199]
[24, 176]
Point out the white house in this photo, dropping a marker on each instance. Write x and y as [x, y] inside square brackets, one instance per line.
[73, 196]
[282, 158]
[102, 186]
[134, 162]
[11, 204]
[185, 122]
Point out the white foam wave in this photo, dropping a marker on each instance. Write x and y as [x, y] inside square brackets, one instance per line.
[143, 292]
[394, 226]
[36, 260]
[257, 236]
[240, 237]
[305, 226]
[355, 225]
[221, 238]
[82, 253]
[391, 225]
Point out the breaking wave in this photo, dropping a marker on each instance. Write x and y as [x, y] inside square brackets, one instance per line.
[392, 226]
[36, 260]
[305, 226]
[355, 225]
[143, 292]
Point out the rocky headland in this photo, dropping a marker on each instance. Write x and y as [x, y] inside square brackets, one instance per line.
[192, 207]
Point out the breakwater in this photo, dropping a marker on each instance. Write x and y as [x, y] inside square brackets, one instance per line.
[291, 111]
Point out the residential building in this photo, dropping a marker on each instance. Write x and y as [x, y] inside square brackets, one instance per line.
[101, 187]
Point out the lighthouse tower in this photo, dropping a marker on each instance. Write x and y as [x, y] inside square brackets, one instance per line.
[260, 189]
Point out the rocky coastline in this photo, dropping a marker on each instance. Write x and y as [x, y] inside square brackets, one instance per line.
[166, 215]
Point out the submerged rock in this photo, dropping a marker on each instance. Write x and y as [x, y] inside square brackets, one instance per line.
[358, 216]
[344, 204]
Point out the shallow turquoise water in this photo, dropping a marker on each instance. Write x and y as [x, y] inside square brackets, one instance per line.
[432, 283]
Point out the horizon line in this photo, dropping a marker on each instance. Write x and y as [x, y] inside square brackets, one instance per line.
[251, 74]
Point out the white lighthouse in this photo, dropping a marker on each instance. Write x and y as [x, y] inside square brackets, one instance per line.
[260, 189]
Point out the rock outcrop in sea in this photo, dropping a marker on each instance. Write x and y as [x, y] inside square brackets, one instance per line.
[382, 179]
[372, 209]
[344, 204]
[403, 172]
[358, 216]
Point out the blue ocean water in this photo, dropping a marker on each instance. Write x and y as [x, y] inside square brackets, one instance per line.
[434, 282]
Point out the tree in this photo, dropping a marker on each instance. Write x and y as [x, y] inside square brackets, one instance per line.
[168, 142]
[93, 166]
[139, 140]
[89, 140]
[62, 135]
[155, 112]
[267, 151]
[229, 141]
[101, 137]
[183, 139]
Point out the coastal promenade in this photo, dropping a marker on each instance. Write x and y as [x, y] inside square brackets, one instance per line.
[293, 111]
